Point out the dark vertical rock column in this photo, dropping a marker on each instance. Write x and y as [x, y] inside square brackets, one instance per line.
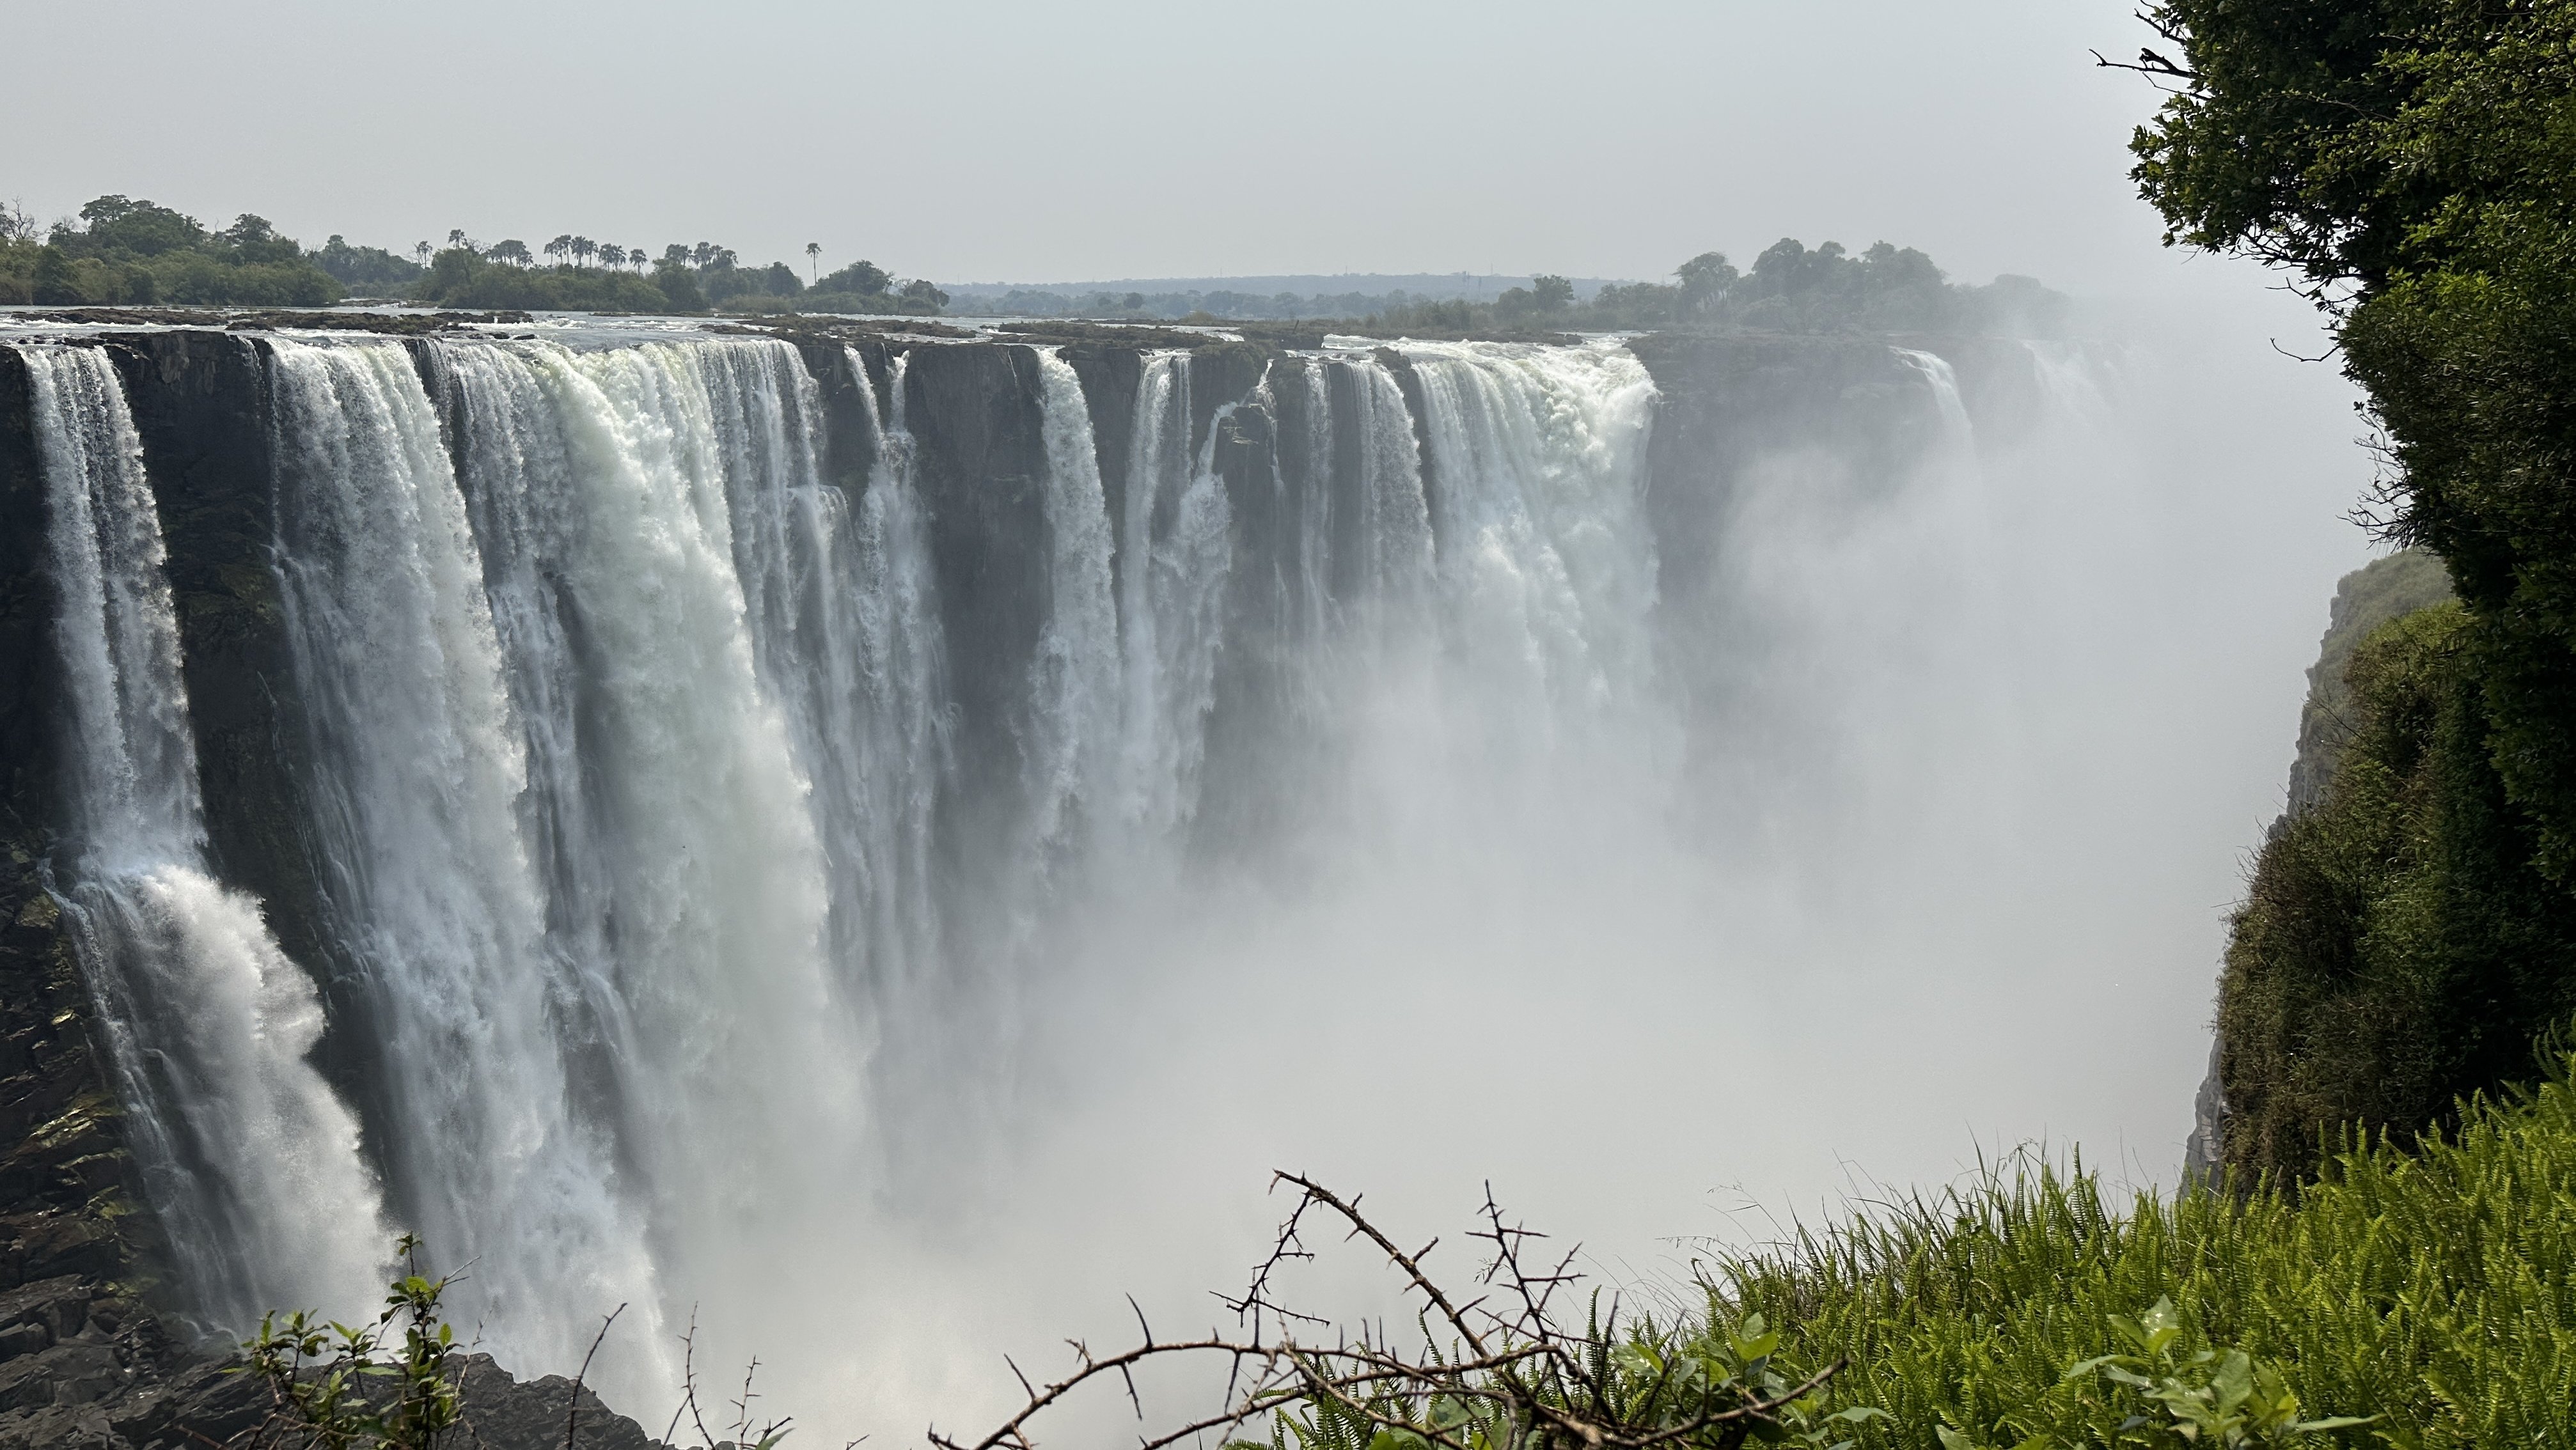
[27, 662]
[1112, 378]
[201, 405]
[1256, 730]
[202, 408]
[1409, 383]
[980, 460]
[849, 452]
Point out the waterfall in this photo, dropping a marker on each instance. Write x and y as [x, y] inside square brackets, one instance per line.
[1174, 552]
[1158, 472]
[434, 900]
[1395, 558]
[1315, 553]
[1545, 563]
[659, 503]
[903, 751]
[1944, 380]
[1074, 684]
[2071, 378]
[620, 712]
[780, 833]
[249, 1160]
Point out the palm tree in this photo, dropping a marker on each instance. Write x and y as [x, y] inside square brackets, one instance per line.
[560, 245]
[583, 248]
[702, 253]
[612, 255]
[813, 253]
[421, 250]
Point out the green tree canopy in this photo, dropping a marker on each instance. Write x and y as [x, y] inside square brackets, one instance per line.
[863, 278]
[124, 251]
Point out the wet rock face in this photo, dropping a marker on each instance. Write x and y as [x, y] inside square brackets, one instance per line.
[78, 1356]
[200, 405]
[505, 1414]
[26, 607]
[108, 1388]
[66, 1198]
[976, 419]
[86, 1367]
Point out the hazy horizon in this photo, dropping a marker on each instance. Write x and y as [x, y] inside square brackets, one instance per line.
[1007, 141]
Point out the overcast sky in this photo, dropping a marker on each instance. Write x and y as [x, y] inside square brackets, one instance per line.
[985, 140]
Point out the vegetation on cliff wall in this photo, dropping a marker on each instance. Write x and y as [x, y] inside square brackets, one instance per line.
[2399, 940]
[2409, 162]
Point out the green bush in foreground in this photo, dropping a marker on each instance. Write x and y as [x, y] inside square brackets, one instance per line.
[2433, 1291]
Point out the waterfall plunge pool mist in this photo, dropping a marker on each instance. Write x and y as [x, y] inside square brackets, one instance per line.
[880, 848]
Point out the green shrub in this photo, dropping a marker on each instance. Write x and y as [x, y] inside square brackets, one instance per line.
[389, 1385]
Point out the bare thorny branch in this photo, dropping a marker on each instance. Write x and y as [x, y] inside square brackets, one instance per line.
[1539, 1382]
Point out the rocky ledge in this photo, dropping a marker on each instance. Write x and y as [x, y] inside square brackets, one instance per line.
[82, 1368]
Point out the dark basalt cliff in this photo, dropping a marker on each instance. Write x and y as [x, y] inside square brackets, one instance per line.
[2368, 597]
[82, 1359]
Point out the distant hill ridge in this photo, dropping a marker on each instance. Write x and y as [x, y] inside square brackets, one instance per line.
[1441, 285]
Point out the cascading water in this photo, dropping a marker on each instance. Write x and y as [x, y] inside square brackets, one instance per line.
[1074, 681]
[1944, 381]
[1394, 559]
[902, 756]
[626, 737]
[435, 903]
[1310, 607]
[1175, 552]
[1546, 565]
[693, 850]
[249, 1159]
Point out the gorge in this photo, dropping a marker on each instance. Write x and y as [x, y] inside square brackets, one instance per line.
[631, 804]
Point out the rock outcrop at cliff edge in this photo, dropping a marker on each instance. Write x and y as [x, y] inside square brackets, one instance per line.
[127, 1389]
[2365, 599]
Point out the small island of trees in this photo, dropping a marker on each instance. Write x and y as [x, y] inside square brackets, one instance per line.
[123, 252]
